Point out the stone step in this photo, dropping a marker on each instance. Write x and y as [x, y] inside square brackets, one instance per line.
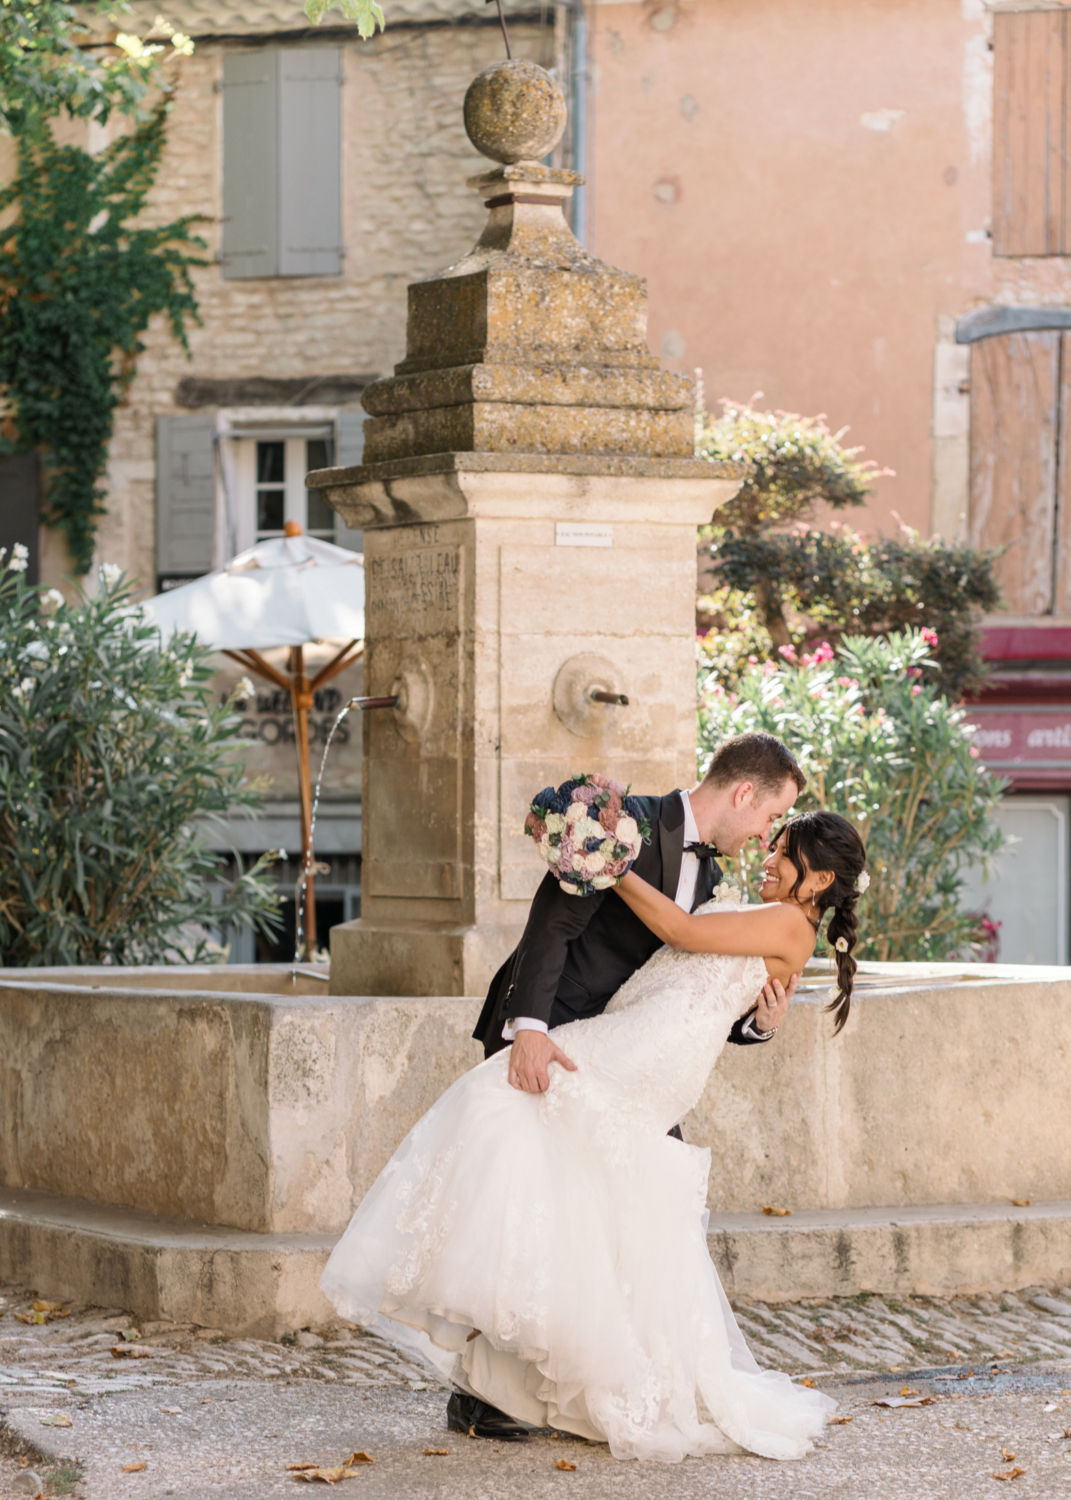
[262, 1285]
[244, 1283]
[938, 1250]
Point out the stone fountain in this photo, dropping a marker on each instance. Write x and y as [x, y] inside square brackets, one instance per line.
[529, 500]
[189, 1143]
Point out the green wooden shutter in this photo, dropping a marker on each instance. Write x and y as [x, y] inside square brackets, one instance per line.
[250, 164]
[349, 449]
[310, 161]
[185, 495]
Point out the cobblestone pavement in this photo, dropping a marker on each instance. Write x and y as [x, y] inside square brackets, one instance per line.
[217, 1417]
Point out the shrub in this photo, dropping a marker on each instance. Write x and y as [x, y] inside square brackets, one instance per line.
[111, 756]
[883, 747]
[831, 585]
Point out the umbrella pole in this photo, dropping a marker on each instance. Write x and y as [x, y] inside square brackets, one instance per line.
[301, 700]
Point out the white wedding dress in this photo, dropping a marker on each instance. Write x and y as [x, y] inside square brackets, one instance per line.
[570, 1230]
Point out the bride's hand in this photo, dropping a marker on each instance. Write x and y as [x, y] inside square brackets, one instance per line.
[773, 1002]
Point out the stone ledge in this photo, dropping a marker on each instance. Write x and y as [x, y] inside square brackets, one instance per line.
[939, 1250]
[247, 1284]
[524, 463]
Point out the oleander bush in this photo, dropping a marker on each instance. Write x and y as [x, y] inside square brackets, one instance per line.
[882, 745]
[114, 762]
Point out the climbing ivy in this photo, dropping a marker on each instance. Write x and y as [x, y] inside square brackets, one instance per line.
[79, 283]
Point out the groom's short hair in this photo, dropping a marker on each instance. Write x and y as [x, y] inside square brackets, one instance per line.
[759, 758]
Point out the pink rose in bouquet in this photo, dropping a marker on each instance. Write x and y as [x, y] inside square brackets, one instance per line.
[589, 831]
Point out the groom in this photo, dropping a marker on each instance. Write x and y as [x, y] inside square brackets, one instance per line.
[576, 952]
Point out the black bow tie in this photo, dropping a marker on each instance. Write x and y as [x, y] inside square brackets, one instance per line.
[703, 851]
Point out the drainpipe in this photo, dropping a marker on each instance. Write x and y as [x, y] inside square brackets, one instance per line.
[580, 119]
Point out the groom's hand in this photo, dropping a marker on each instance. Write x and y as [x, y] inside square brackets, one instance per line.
[773, 1002]
[530, 1059]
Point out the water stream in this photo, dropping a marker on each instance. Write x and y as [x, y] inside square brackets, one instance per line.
[302, 880]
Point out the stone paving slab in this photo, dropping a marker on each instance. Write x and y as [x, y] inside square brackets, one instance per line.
[212, 1417]
[232, 1440]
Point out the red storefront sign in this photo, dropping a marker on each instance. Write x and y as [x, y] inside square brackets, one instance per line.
[1032, 744]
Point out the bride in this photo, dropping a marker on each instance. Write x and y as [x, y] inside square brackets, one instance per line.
[555, 1243]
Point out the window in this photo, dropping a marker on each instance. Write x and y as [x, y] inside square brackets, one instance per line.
[280, 466]
[1031, 99]
[282, 137]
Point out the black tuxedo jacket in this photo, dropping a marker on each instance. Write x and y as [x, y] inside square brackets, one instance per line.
[577, 951]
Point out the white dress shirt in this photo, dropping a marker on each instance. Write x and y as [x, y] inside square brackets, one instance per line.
[684, 898]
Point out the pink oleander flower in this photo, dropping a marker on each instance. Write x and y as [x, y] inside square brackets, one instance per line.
[930, 637]
[915, 691]
[788, 652]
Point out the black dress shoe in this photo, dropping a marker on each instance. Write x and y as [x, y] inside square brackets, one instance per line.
[478, 1418]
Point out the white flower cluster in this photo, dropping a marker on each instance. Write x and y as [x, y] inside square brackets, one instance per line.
[110, 574]
[244, 688]
[25, 688]
[20, 558]
[727, 894]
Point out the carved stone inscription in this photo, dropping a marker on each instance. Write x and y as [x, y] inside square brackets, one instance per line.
[414, 593]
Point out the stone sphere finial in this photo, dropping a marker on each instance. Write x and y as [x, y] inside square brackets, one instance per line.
[514, 111]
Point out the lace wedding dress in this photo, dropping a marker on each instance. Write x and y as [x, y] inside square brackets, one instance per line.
[570, 1230]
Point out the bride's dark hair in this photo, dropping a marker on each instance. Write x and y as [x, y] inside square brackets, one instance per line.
[825, 841]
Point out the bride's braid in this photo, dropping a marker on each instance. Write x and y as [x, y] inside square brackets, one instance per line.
[826, 841]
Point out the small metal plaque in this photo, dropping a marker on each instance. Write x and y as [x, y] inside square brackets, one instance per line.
[582, 534]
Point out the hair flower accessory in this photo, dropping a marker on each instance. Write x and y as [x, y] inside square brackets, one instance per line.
[589, 832]
[841, 945]
[862, 881]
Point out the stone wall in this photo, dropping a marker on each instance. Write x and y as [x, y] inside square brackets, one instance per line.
[406, 214]
[287, 1106]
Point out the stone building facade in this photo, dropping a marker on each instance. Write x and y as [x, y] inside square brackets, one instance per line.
[329, 173]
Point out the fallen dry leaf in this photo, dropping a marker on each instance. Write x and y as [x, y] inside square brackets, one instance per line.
[59, 1419]
[1067, 1432]
[809, 1383]
[1009, 1458]
[360, 1458]
[129, 1351]
[172, 1411]
[778, 1213]
[1020, 1203]
[897, 1401]
[1011, 1474]
[839, 1421]
[563, 1463]
[134, 1468]
[436, 1452]
[325, 1476]
[907, 1391]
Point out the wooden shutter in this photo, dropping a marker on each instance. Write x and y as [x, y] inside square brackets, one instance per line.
[185, 495]
[349, 450]
[1015, 411]
[310, 161]
[1031, 199]
[20, 507]
[250, 164]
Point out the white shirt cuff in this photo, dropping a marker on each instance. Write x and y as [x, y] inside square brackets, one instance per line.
[749, 1029]
[522, 1023]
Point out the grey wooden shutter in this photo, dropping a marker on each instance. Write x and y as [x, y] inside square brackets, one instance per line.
[185, 495]
[349, 449]
[20, 507]
[250, 164]
[310, 161]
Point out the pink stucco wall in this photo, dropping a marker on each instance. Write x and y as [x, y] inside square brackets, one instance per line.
[803, 252]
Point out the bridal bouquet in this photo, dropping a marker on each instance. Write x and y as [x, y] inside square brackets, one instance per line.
[589, 832]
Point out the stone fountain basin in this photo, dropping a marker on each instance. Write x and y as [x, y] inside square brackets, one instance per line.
[162, 1122]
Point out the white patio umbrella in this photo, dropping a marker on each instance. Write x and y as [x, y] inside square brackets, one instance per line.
[284, 592]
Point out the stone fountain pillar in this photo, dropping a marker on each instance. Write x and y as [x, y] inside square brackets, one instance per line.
[529, 500]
